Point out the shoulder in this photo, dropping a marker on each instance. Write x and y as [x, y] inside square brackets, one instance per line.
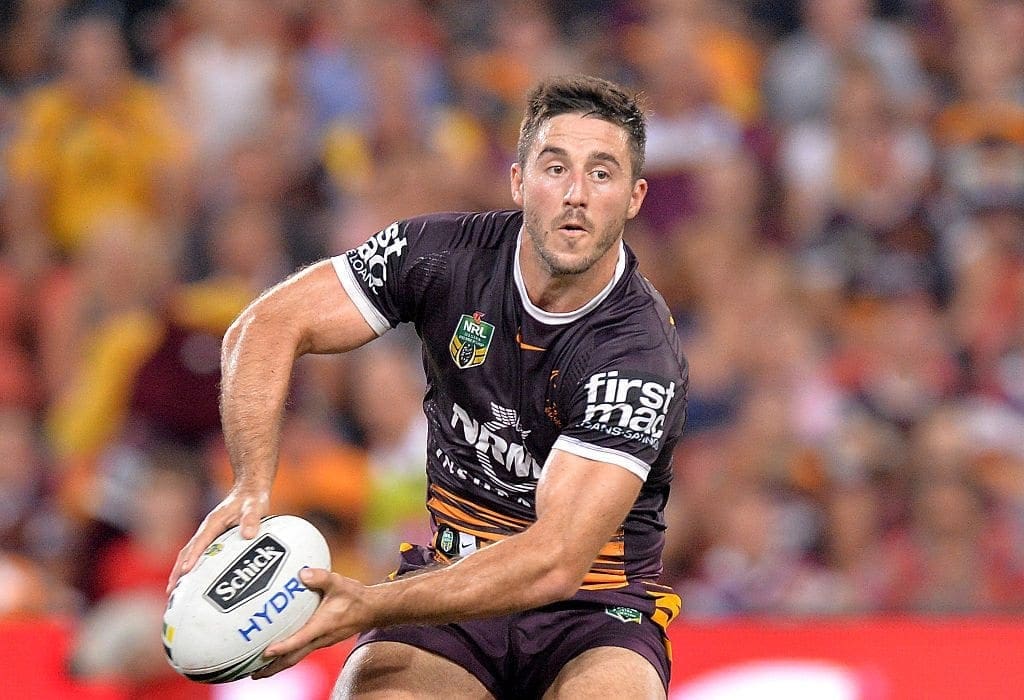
[146, 101]
[489, 229]
[46, 104]
[415, 260]
[441, 233]
[637, 321]
[42, 117]
[631, 335]
[143, 91]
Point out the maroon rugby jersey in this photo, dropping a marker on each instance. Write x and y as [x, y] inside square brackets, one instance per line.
[507, 382]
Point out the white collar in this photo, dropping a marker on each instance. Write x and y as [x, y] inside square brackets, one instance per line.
[561, 318]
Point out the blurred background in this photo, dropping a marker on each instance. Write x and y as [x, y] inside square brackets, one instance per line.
[835, 217]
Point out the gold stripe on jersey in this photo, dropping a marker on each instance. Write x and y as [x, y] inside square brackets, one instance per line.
[602, 586]
[608, 571]
[511, 521]
[614, 549]
[441, 500]
[597, 580]
[446, 515]
[609, 568]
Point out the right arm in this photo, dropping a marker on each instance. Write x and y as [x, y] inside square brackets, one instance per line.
[309, 312]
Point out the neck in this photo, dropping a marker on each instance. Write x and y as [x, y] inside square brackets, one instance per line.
[557, 294]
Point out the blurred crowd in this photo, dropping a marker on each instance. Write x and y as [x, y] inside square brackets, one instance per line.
[835, 217]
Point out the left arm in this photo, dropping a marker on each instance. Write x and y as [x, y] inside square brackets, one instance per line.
[580, 505]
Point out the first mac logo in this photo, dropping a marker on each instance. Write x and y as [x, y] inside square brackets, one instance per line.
[248, 576]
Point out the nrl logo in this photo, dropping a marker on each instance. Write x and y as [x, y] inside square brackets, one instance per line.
[470, 341]
[446, 541]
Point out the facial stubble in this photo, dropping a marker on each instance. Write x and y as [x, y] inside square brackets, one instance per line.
[553, 262]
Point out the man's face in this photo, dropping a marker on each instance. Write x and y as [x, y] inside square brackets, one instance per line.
[577, 191]
[96, 61]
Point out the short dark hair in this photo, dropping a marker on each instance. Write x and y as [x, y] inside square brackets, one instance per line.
[589, 96]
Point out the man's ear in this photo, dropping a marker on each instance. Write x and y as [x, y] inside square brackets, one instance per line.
[516, 181]
[636, 198]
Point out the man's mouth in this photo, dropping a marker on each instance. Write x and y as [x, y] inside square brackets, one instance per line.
[573, 227]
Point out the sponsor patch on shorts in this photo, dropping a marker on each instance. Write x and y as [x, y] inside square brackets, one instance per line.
[623, 614]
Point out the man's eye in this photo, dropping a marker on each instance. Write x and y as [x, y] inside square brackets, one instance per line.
[556, 169]
[601, 175]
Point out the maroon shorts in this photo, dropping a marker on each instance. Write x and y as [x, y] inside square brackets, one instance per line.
[519, 655]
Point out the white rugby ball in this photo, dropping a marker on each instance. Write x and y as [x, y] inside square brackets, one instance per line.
[241, 596]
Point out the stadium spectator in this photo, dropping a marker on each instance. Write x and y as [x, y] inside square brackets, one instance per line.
[227, 76]
[802, 70]
[96, 141]
[854, 178]
[162, 506]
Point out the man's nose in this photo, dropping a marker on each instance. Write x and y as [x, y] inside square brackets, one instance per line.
[576, 193]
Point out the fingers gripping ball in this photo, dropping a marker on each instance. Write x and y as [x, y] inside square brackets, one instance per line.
[241, 596]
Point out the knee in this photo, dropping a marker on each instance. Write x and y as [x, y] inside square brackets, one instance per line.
[395, 671]
[369, 670]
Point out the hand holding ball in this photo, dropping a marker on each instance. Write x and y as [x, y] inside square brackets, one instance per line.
[242, 596]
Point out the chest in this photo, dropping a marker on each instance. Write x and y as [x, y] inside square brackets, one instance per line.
[497, 367]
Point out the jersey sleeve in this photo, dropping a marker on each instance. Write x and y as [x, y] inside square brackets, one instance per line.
[375, 273]
[625, 412]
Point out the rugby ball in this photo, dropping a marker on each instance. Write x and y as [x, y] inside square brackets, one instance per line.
[241, 596]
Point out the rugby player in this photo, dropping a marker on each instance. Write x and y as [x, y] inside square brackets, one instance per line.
[556, 391]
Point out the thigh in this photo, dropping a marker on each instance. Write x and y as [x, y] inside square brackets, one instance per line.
[392, 670]
[607, 672]
[579, 645]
